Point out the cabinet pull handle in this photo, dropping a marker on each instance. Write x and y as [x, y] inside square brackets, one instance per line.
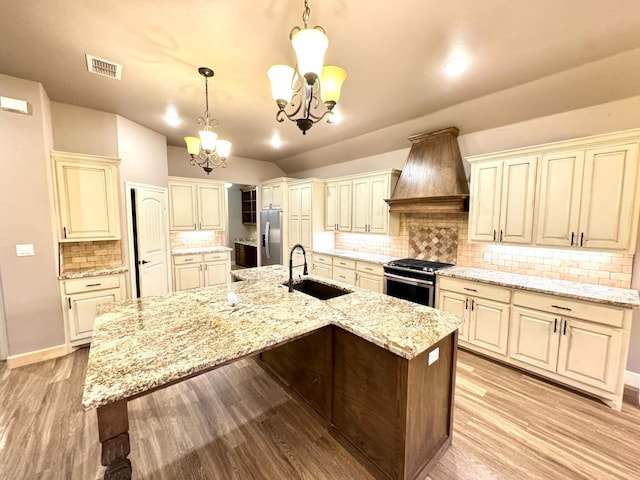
[501, 235]
[93, 284]
[561, 308]
[466, 304]
[470, 289]
[494, 234]
[572, 235]
[195, 227]
[565, 328]
[581, 239]
[368, 268]
[69, 302]
[64, 232]
[555, 325]
[188, 259]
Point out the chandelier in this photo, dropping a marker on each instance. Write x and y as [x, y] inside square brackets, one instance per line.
[206, 150]
[303, 86]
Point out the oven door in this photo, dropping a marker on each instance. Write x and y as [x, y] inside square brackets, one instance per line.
[414, 290]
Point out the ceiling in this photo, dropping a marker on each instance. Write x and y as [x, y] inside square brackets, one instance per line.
[394, 58]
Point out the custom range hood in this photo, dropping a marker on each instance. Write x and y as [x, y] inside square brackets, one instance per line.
[433, 178]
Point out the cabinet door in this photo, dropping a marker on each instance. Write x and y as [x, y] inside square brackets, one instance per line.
[331, 206]
[216, 273]
[608, 195]
[518, 197]
[375, 283]
[187, 276]
[182, 206]
[267, 197]
[489, 325]
[590, 353]
[306, 225]
[361, 205]
[87, 201]
[211, 207]
[294, 216]
[534, 338]
[343, 217]
[277, 200]
[559, 205]
[486, 188]
[322, 270]
[457, 304]
[378, 208]
[82, 311]
[344, 275]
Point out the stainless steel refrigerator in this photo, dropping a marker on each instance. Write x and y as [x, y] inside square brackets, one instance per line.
[270, 237]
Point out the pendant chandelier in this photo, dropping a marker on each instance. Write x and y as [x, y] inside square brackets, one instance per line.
[206, 150]
[304, 86]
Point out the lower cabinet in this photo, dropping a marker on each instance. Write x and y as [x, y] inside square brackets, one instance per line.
[81, 296]
[246, 255]
[363, 274]
[202, 270]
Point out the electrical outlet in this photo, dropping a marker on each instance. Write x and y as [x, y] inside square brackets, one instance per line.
[434, 355]
[486, 257]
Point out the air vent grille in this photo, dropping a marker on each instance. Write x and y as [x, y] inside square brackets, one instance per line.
[103, 67]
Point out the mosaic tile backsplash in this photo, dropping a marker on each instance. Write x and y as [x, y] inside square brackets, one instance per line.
[437, 244]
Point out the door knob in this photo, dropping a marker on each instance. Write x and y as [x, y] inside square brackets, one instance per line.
[144, 261]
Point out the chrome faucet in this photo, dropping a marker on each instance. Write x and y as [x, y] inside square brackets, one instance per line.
[305, 271]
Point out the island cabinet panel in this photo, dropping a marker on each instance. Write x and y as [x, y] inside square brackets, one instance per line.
[304, 365]
[393, 414]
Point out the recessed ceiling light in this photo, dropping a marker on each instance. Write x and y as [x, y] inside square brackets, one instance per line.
[171, 117]
[456, 66]
[276, 141]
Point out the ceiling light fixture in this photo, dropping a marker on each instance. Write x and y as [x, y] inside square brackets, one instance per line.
[456, 66]
[206, 150]
[302, 86]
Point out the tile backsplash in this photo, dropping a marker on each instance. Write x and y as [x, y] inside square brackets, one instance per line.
[205, 238]
[89, 255]
[439, 244]
[608, 269]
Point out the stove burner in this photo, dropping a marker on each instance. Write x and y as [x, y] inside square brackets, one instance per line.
[419, 265]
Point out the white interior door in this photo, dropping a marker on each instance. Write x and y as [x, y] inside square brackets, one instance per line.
[151, 205]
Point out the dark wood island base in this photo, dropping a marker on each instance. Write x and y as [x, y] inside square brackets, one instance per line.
[113, 431]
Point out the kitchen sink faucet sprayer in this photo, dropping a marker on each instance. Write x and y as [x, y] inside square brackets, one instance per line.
[305, 271]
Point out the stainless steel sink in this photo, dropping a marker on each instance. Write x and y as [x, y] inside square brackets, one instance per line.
[321, 291]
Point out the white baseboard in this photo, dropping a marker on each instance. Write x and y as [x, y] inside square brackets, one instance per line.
[15, 361]
[632, 379]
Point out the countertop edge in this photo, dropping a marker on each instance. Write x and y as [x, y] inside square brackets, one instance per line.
[94, 273]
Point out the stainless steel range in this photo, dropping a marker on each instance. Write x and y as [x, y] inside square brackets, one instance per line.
[412, 279]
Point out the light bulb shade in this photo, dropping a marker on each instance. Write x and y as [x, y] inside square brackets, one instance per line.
[208, 140]
[310, 45]
[331, 81]
[281, 77]
[193, 145]
[223, 147]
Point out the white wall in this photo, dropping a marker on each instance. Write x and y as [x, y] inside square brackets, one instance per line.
[32, 307]
[82, 130]
[240, 170]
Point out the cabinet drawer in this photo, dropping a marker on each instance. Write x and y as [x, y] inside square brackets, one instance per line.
[371, 268]
[567, 307]
[344, 275]
[344, 263]
[183, 259]
[217, 256]
[320, 258]
[476, 289]
[90, 284]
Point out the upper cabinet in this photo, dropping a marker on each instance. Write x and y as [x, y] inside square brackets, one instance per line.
[305, 212]
[248, 196]
[581, 193]
[86, 197]
[274, 193]
[196, 205]
[357, 203]
[503, 194]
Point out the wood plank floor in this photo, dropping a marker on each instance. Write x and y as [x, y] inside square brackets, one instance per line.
[238, 423]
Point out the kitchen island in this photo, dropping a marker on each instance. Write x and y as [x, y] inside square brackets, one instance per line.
[380, 371]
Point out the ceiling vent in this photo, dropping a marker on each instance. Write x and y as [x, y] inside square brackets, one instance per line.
[103, 67]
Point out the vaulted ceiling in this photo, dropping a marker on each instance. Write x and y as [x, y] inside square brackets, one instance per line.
[393, 52]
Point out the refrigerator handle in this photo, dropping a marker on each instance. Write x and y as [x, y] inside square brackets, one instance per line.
[265, 240]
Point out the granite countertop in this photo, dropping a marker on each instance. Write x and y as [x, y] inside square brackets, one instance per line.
[197, 250]
[250, 243]
[618, 297]
[146, 343]
[365, 257]
[94, 272]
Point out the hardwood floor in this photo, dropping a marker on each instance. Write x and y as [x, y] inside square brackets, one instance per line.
[238, 423]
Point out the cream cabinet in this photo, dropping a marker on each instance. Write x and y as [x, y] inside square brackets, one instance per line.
[305, 212]
[86, 197]
[274, 193]
[588, 198]
[196, 205]
[201, 270]
[485, 309]
[370, 211]
[361, 273]
[323, 265]
[370, 276]
[502, 200]
[338, 206]
[81, 296]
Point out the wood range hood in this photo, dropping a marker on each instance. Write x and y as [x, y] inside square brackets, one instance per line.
[433, 178]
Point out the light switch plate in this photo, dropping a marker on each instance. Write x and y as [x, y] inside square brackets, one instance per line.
[25, 250]
[434, 355]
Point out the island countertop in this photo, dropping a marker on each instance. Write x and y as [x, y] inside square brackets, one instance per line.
[139, 345]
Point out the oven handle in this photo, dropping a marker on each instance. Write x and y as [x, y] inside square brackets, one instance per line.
[409, 281]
